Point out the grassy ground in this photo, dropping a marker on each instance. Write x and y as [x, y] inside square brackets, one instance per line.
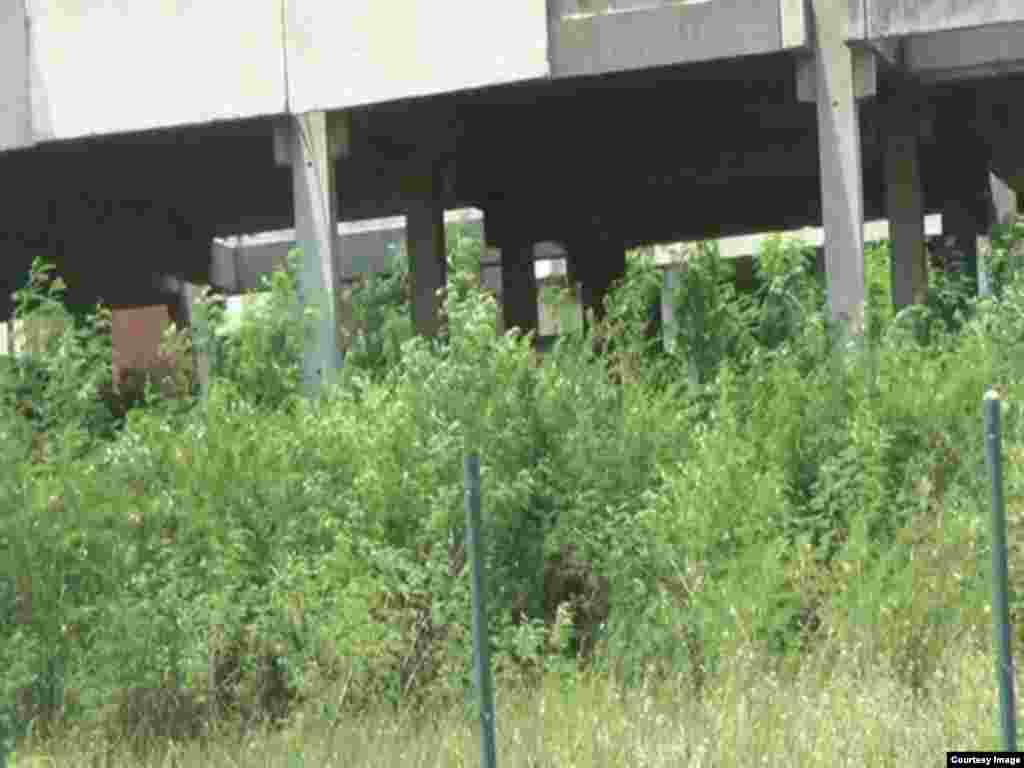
[827, 713]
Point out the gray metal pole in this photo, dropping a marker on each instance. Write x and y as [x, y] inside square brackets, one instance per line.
[481, 639]
[1000, 579]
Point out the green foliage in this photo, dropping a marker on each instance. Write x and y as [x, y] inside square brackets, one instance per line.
[267, 551]
[713, 324]
[62, 383]
[262, 356]
[382, 321]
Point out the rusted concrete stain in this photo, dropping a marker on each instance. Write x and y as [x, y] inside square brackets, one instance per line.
[136, 336]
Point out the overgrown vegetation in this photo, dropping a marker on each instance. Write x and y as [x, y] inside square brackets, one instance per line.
[753, 493]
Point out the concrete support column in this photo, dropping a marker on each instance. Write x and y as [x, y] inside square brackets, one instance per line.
[491, 268]
[572, 278]
[960, 233]
[967, 207]
[1004, 201]
[842, 191]
[1004, 210]
[193, 316]
[904, 200]
[311, 143]
[179, 307]
[597, 264]
[519, 288]
[745, 281]
[428, 262]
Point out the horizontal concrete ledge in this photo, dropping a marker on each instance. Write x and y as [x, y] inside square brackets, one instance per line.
[750, 245]
[241, 263]
[666, 256]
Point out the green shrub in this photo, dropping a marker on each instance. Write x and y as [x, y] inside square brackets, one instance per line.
[267, 551]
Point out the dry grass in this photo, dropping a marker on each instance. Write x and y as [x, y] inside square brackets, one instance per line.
[828, 713]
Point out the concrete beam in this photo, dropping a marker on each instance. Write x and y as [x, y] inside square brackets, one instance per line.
[842, 191]
[428, 262]
[240, 263]
[625, 36]
[904, 196]
[963, 54]
[311, 152]
[889, 18]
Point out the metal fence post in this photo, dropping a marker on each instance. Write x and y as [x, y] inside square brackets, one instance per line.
[481, 639]
[1000, 579]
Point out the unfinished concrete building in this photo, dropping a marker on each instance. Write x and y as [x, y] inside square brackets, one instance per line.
[133, 134]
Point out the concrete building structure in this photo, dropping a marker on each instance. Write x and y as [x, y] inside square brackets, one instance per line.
[597, 125]
[241, 265]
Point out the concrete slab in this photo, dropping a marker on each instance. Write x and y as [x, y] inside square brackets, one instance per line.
[361, 51]
[102, 67]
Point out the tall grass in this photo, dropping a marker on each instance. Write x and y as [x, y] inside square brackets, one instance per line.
[827, 713]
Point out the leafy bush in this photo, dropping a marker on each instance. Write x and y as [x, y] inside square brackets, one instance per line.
[266, 550]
